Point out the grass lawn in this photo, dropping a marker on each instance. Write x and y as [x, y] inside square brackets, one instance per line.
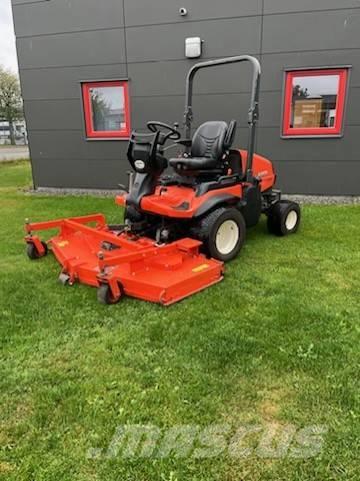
[275, 344]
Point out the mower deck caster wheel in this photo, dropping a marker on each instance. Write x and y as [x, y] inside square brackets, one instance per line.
[284, 218]
[32, 251]
[105, 295]
[64, 279]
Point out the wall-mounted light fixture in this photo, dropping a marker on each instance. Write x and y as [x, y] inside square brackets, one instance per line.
[193, 47]
[183, 11]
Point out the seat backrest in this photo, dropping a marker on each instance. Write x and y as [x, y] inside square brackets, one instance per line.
[230, 135]
[208, 140]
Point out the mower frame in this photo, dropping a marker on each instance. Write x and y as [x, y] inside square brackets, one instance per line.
[154, 256]
[253, 113]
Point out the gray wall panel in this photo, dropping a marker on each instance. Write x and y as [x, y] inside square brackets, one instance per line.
[64, 82]
[311, 31]
[273, 65]
[222, 107]
[331, 178]
[205, 107]
[165, 109]
[346, 148]
[140, 12]
[352, 113]
[278, 6]
[241, 138]
[167, 78]
[85, 48]
[52, 65]
[17, 2]
[56, 144]
[270, 109]
[61, 16]
[221, 38]
[61, 173]
[54, 114]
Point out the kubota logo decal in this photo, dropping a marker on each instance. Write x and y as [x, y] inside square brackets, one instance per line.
[200, 268]
[63, 243]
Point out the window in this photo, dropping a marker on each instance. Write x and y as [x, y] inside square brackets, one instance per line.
[314, 102]
[106, 109]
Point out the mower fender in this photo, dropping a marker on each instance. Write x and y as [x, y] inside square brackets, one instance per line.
[144, 184]
[215, 201]
[253, 205]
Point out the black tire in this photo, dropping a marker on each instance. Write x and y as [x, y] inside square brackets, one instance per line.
[207, 231]
[279, 221]
[32, 251]
[105, 296]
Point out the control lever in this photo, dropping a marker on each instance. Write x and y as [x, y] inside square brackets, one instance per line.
[123, 187]
[130, 182]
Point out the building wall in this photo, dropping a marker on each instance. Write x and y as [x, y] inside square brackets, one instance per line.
[61, 43]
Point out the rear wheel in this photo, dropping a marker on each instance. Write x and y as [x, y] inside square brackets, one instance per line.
[222, 232]
[284, 218]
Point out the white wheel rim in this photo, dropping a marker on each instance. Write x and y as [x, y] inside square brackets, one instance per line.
[291, 220]
[227, 237]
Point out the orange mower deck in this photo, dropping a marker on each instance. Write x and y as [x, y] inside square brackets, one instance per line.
[119, 263]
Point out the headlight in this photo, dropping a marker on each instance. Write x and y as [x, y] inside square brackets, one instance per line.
[139, 164]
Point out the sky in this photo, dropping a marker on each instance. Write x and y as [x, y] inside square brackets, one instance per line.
[8, 56]
[324, 85]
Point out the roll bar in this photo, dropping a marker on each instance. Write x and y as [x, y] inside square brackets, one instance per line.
[254, 102]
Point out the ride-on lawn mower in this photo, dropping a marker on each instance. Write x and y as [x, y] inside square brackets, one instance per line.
[180, 227]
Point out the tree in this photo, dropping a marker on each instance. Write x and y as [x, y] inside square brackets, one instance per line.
[11, 108]
[299, 92]
[101, 109]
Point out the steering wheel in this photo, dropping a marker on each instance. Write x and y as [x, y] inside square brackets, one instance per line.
[173, 134]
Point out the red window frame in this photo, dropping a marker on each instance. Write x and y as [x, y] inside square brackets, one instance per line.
[91, 133]
[340, 103]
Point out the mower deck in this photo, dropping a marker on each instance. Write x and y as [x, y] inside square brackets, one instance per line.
[99, 255]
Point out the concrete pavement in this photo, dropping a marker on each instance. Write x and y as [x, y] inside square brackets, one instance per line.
[13, 152]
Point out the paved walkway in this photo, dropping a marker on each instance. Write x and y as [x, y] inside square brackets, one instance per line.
[13, 152]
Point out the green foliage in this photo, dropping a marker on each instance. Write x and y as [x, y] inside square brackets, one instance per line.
[276, 342]
[10, 99]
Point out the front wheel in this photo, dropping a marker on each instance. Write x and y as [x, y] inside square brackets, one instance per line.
[222, 232]
[284, 218]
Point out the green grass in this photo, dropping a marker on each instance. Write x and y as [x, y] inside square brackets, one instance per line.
[276, 342]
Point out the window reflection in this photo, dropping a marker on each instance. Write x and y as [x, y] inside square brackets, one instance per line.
[108, 108]
[314, 101]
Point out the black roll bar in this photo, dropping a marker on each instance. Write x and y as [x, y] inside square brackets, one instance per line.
[254, 102]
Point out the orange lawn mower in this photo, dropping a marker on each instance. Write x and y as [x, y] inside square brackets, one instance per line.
[179, 228]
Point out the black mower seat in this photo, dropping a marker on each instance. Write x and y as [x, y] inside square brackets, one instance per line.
[211, 140]
[193, 163]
